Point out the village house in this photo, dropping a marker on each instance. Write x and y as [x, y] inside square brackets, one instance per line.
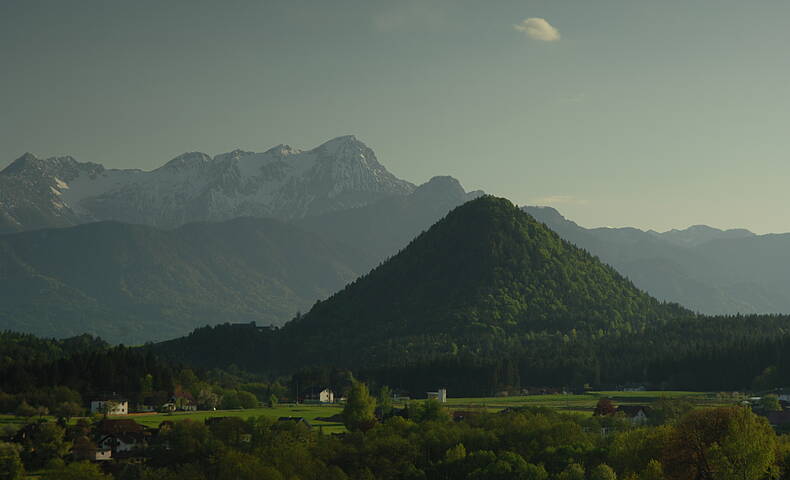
[638, 414]
[440, 395]
[84, 449]
[121, 436]
[323, 396]
[110, 406]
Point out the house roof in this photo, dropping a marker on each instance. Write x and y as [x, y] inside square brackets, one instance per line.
[316, 391]
[118, 426]
[294, 419]
[127, 438]
[633, 410]
[110, 399]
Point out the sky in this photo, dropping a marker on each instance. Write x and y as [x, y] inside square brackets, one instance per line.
[652, 114]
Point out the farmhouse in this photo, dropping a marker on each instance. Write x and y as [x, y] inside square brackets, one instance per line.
[638, 414]
[110, 406]
[323, 396]
[440, 395]
[120, 436]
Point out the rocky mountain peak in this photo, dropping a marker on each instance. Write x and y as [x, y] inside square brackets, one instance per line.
[282, 150]
[188, 160]
[442, 187]
[283, 182]
[24, 162]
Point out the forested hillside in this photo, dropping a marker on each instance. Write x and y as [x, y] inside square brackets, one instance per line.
[487, 270]
[490, 299]
[133, 283]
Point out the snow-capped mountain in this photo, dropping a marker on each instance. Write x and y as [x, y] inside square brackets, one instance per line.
[283, 182]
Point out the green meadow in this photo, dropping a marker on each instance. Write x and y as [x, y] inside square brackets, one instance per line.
[309, 412]
[583, 404]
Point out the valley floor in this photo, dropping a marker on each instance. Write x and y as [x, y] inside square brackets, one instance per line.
[319, 416]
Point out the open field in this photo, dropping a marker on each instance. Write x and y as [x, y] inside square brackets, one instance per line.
[582, 404]
[309, 412]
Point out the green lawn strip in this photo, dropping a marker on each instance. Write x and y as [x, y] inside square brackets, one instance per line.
[583, 402]
[309, 412]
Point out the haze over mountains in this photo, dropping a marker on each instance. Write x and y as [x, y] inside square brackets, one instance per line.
[708, 270]
[187, 244]
[136, 283]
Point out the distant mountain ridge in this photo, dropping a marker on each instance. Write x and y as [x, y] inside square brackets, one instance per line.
[706, 269]
[283, 182]
[134, 283]
[383, 228]
[699, 234]
[245, 269]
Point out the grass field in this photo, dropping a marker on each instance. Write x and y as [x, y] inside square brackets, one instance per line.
[309, 412]
[582, 404]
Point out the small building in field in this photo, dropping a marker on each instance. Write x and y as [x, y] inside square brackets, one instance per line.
[320, 396]
[110, 406]
[638, 414]
[440, 395]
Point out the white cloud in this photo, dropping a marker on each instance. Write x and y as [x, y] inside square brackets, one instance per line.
[538, 29]
[559, 200]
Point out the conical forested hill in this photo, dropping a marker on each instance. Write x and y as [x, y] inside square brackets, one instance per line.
[486, 273]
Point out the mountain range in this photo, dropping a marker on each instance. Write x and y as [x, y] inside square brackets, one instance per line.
[131, 233]
[283, 183]
[145, 280]
[709, 270]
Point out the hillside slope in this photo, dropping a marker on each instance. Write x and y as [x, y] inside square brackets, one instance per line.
[486, 270]
[133, 283]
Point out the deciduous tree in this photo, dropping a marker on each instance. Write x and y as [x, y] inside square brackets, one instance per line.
[359, 412]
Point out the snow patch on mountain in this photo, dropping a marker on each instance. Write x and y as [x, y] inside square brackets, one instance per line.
[282, 182]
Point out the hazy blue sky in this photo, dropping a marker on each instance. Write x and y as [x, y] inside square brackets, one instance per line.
[655, 114]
